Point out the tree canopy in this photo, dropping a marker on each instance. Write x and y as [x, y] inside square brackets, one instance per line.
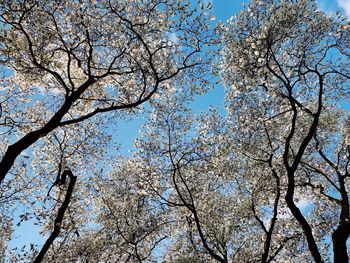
[266, 182]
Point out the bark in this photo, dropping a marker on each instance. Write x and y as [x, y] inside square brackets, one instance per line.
[341, 234]
[14, 150]
[339, 238]
[59, 217]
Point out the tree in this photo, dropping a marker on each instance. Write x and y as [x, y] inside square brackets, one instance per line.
[287, 66]
[91, 56]
[189, 177]
[269, 183]
[128, 225]
[70, 70]
[224, 212]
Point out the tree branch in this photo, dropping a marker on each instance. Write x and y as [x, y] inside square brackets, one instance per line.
[60, 215]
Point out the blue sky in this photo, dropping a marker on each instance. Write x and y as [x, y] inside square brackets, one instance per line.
[330, 6]
[128, 131]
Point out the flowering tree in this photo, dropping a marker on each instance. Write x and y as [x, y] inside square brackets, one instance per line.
[223, 212]
[205, 201]
[88, 58]
[270, 182]
[69, 69]
[286, 66]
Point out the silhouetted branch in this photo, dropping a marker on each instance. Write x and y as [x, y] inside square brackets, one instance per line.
[60, 215]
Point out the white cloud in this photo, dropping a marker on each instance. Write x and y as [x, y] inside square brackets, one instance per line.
[345, 4]
[330, 7]
[55, 91]
[173, 38]
[324, 6]
[303, 204]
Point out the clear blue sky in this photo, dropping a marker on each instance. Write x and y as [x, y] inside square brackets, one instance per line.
[128, 131]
